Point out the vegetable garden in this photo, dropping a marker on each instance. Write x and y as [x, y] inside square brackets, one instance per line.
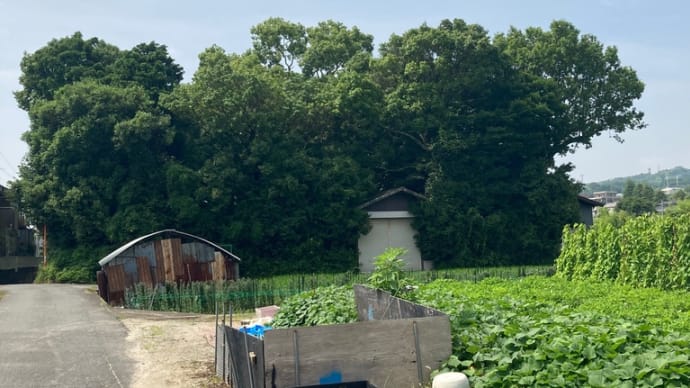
[617, 313]
[539, 331]
[647, 251]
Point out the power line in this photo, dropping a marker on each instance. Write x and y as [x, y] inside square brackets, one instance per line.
[7, 174]
[13, 168]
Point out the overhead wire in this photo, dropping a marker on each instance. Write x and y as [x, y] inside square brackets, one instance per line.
[12, 174]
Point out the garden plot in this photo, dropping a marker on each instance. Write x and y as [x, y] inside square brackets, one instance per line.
[396, 343]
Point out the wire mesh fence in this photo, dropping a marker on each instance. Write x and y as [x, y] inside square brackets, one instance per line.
[248, 294]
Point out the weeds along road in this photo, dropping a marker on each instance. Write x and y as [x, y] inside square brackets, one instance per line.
[59, 335]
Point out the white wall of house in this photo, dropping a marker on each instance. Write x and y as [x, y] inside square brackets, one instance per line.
[389, 229]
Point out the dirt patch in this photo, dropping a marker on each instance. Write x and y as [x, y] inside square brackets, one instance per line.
[172, 349]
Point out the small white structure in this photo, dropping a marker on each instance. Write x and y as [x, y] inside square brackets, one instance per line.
[391, 226]
[451, 380]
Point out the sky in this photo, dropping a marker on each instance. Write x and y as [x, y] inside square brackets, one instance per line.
[652, 37]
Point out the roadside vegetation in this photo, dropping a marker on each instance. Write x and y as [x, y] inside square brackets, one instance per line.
[2, 293]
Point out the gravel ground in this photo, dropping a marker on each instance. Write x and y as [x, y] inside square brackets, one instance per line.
[171, 349]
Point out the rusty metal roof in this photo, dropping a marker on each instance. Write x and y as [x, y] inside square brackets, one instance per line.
[165, 232]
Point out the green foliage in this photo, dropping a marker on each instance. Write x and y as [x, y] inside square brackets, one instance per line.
[615, 218]
[479, 132]
[46, 273]
[639, 198]
[246, 294]
[544, 332]
[51, 273]
[278, 42]
[242, 295]
[597, 90]
[646, 251]
[322, 306]
[62, 62]
[389, 271]
[97, 140]
[274, 149]
[681, 207]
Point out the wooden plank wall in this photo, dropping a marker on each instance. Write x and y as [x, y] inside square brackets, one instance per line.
[144, 271]
[160, 262]
[219, 267]
[197, 252]
[232, 270]
[384, 353]
[116, 283]
[116, 277]
[198, 272]
[172, 259]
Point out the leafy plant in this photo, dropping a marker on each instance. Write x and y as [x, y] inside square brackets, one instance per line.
[46, 273]
[552, 332]
[51, 273]
[646, 251]
[322, 306]
[248, 293]
[389, 271]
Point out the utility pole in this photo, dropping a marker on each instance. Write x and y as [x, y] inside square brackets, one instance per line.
[45, 245]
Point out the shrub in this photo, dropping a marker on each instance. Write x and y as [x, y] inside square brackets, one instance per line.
[322, 306]
[389, 272]
[46, 274]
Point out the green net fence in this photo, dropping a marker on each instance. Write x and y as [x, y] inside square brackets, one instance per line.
[248, 294]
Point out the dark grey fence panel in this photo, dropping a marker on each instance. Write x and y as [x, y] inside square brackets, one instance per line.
[377, 305]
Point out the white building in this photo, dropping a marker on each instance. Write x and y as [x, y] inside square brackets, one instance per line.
[391, 227]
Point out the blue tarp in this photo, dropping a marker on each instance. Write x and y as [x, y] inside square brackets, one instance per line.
[255, 330]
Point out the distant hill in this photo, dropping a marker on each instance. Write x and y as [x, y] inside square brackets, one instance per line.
[674, 177]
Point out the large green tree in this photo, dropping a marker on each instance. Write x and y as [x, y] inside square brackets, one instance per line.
[272, 164]
[639, 198]
[272, 150]
[597, 90]
[98, 140]
[62, 62]
[481, 121]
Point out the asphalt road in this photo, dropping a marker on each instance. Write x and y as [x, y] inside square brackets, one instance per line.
[59, 335]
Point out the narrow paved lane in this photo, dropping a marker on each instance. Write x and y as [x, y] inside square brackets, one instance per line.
[58, 335]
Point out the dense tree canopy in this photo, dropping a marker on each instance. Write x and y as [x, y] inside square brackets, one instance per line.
[640, 198]
[272, 150]
[596, 90]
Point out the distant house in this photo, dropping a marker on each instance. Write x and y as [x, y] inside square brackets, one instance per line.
[166, 256]
[605, 197]
[391, 226]
[587, 209]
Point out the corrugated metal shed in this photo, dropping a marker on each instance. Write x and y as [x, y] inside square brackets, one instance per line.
[166, 256]
[122, 251]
